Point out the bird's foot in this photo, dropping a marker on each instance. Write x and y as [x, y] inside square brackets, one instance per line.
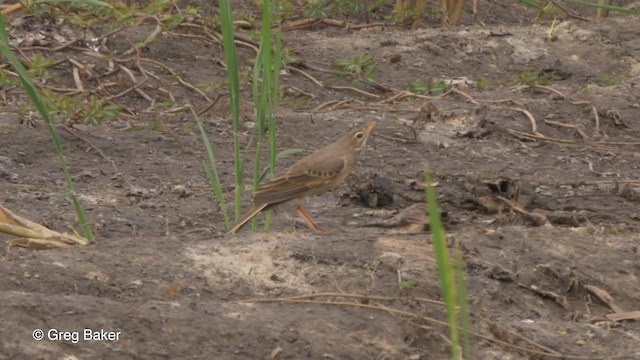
[319, 229]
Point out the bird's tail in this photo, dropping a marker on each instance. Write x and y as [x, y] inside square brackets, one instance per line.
[246, 217]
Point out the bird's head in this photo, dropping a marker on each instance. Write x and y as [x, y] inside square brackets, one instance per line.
[358, 138]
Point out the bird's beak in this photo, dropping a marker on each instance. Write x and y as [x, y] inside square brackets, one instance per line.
[371, 126]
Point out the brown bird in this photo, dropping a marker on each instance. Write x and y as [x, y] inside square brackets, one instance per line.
[314, 174]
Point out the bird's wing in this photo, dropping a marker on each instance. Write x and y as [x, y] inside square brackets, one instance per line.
[303, 178]
[320, 165]
[246, 217]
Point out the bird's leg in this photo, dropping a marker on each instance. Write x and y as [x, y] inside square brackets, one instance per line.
[307, 218]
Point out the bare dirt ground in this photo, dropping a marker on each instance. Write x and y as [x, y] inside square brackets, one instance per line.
[546, 210]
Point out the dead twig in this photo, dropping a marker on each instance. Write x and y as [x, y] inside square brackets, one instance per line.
[107, 34]
[301, 92]
[300, 24]
[605, 297]
[247, 45]
[133, 78]
[364, 26]
[53, 49]
[502, 332]
[382, 87]
[336, 87]
[627, 143]
[169, 95]
[246, 40]
[536, 219]
[305, 74]
[539, 137]
[65, 91]
[308, 66]
[403, 141]
[334, 23]
[590, 164]
[210, 105]
[512, 101]
[532, 120]
[569, 14]
[405, 94]
[135, 87]
[597, 120]
[567, 126]
[335, 105]
[326, 104]
[630, 315]
[151, 38]
[622, 181]
[464, 94]
[343, 104]
[307, 23]
[76, 79]
[191, 36]
[177, 109]
[11, 8]
[184, 83]
[595, 114]
[77, 66]
[549, 89]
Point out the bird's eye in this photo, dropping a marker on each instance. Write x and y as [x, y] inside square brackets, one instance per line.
[359, 135]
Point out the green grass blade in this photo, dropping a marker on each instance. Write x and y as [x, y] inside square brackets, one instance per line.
[212, 170]
[277, 66]
[461, 292]
[263, 97]
[39, 104]
[531, 3]
[603, 6]
[268, 95]
[231, 55]
[445, 269]
[260, 124]
[273, 100]
[600, 12]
